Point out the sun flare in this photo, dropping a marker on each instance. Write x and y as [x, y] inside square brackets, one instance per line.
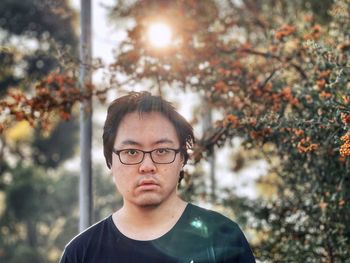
[159, 35]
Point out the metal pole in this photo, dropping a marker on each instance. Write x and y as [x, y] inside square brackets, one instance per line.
[85, 182]
[207, 124]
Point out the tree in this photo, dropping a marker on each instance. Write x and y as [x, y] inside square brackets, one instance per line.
[35, 213]
[47, 25]
[37, 206]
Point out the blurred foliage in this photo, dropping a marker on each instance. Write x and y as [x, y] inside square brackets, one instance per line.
[31, 34]
[51, 150]
[37, 18]
[39, 212]
[38, 65]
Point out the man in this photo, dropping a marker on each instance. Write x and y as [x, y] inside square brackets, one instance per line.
[145, 144]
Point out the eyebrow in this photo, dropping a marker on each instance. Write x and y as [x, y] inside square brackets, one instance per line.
[130, 142]
[165, 140]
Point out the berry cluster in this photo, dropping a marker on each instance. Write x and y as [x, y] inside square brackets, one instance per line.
[345, 148]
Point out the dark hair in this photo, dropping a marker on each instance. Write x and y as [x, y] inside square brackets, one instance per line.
[144, 102]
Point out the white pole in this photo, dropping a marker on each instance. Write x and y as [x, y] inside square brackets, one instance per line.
[85, 182]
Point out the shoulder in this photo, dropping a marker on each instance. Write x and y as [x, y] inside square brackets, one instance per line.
[78, 246]
[90, 233]
[218, 226]
[226, 236]
[211, 216]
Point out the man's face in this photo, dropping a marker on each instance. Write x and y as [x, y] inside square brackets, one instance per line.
[146, 183]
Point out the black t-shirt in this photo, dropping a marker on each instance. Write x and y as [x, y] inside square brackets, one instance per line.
[200, 235]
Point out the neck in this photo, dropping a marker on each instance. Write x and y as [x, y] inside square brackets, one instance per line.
[148, 222]
[153, 214]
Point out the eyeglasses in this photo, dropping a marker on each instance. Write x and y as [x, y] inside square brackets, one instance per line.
[158, 156]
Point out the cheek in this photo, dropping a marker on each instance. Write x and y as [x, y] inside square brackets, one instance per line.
[119, 177]
[121, 183]
[174, 170]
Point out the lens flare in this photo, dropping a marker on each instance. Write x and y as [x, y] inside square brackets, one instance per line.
[159, 35]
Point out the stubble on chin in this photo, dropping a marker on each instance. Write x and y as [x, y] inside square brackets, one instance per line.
[148, 202]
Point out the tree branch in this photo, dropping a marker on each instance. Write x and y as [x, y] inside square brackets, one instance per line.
[267, 55]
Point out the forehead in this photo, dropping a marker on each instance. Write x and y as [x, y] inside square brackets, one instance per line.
[146, 129]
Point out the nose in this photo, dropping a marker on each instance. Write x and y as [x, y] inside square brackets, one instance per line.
[147, 165]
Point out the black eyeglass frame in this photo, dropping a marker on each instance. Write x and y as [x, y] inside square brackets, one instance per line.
[117, 152]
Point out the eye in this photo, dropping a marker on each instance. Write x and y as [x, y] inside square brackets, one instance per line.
[162, 151]
[131, 152]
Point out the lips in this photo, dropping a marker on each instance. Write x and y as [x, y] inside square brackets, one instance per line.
[147, 184]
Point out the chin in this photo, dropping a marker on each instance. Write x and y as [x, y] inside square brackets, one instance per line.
[149, 201]
[148, 205]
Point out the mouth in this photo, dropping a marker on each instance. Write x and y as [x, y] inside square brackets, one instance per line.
[148, 184]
